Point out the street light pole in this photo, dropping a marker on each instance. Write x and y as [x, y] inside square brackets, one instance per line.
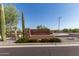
[59, 23]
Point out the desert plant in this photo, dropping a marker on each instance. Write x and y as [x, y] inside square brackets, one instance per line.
[23, 25]
[2, 23]
[22, 40]
[44, 40]
[32, 40]
[1, 40]
[54, 40]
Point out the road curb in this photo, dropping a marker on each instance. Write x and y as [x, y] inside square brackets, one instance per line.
[19, 46]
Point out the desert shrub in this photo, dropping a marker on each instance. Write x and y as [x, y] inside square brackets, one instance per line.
[54, 40]
[50, 40]
[32, 40]
[44, 40]
[1, 40]
[22, 40]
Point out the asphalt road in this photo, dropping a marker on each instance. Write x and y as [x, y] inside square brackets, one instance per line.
[40, 51]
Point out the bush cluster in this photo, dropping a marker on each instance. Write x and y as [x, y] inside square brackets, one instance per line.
[22, 40]
[55, 40]
[50, 40]
[32, 40]
[1, 40]
[27, 40]
[44, 40]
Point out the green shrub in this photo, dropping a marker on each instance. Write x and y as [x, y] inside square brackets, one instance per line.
[44, 40]
[32, 40]
[55, 40]
[1, 40]
[22, 40]
[27, 40]
[50, 40]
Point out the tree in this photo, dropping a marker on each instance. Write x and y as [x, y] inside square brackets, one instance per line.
[41, 27]
[2, 22]
[75, 30]
[23, 25]
[65, 30]
[12, 17]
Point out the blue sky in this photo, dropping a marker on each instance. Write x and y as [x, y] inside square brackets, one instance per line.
[47, 14]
